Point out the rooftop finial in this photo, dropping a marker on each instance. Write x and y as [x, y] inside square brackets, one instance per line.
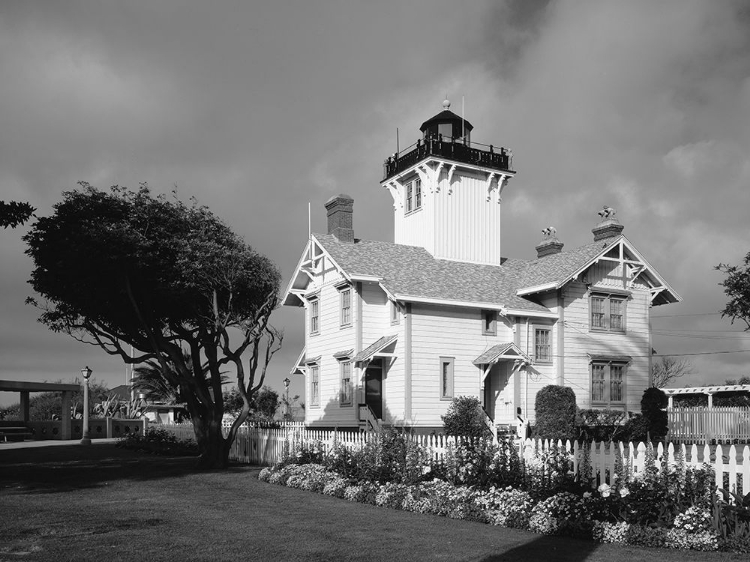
[446, 102]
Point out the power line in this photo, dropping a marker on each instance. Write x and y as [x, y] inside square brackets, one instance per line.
[683, 315]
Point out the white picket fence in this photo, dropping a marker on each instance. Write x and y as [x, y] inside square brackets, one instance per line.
[705, 425]
[266, 446]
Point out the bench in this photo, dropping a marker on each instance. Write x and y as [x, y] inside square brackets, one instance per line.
[19, 433]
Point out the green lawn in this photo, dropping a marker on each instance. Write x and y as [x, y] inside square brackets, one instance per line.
[102, 503]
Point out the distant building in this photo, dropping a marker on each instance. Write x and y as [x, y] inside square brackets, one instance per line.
[396, 330]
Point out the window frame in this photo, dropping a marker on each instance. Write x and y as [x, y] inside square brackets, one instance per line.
[314, 370]
[548, 331]
[605, 313]
[492, 329]
[345, 389]
[408, 207]
[314, 319]
[345, 312]
[395, 313]
[412, 196]
[606, 367]
[446, 377]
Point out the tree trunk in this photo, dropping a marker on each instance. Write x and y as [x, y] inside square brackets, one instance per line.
[214, 449]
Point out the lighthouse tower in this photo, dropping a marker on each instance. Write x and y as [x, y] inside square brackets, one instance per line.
[447, 191]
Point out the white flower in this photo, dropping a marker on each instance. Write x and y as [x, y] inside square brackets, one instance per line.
[624, 492]
[604, 490]
[587, 495]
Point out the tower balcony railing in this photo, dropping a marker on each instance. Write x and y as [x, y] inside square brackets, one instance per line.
[457, 150]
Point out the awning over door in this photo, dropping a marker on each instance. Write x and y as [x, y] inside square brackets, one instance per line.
[376, 349]
[500, 352]
[299, 364]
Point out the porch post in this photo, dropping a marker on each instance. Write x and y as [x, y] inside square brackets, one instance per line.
[25, 405]
[65, 432]
[710, 399]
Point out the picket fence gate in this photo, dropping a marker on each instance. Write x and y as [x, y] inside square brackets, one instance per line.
[266, 446]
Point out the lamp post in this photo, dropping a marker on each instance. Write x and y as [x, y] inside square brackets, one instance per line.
[286, 386]
[86, 372]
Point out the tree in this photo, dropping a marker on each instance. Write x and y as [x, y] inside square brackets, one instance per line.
[667, 369]
[737, 288]
[654, 409]
[13, 213]
[125, 268]
[263, 404]
[465, 418]
[156, 386]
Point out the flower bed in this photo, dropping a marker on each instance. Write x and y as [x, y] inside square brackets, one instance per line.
[663, 506]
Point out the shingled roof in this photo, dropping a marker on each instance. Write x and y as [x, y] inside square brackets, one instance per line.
[411, 272]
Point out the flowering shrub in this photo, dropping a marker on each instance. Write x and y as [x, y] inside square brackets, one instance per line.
[336, 486]
[688, 540]
[391, 495]
[265, 474]
[508, 507]
[553, 515]
[362, 493]
[694, 520]
[310, 477]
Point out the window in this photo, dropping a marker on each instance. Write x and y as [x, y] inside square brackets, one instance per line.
[413, 195]
[314, 371]
[607, 313]
[314, 315]
[446, 378]
[345, 296]
[489, 322]
[608, 382]
[395, 314]
[542, 345]
[346, 383]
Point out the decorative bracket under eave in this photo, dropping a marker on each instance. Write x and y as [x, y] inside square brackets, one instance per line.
[428, 183]
[502, 182]
[450, 179]
[489, 187]
[396, 189]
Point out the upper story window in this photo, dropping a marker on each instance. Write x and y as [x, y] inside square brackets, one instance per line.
[314, 315]
[395, 313]
[608, 382]
[543, 345]
[413, 196]
[489, 322]
[608, 312]
[345, 297]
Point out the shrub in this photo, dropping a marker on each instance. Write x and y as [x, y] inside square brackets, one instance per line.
[555, 412]
[600, 425]
[558, 514]
[635, 429]
[465, 418]
[653, 408]
[159, 442]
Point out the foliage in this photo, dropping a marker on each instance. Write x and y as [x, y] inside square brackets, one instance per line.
[14, 213]
[158, 442]
[732, 518]
[167, 276]
[636, 429]
[555, 412]
[465, 418]
[737, 288]
[666, 369]
[263, 404]
[46, 406]
[557, 513]
[653, 407]
[600, 425]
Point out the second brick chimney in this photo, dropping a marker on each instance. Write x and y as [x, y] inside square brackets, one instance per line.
[340, 223]
[549, 244]
[609, 227]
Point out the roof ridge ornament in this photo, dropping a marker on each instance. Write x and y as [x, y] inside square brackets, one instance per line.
[446, 102]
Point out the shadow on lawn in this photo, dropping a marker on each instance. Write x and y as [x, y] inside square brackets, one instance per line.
[69, 467]
[549, 549]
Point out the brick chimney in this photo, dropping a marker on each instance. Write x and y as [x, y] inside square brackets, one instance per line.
[549, 244]
[340, 211]
[609, 227]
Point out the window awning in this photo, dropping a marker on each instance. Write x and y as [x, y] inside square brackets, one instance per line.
[345, 354]
[375, 348]
[299, 364]
[610, 358]
[501, 352]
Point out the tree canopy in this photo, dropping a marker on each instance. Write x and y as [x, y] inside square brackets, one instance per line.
[737, 288]
[126, 268]
[15, 213]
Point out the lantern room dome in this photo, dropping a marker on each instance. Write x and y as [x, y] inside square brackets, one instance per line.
[448, 124]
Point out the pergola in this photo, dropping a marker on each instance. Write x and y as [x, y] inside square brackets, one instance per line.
[709, 390]
[24, 388]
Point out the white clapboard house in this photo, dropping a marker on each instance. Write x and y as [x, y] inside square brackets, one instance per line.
[396, 330]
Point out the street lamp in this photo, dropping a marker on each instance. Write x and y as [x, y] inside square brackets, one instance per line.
[86, 372]
[286, 386]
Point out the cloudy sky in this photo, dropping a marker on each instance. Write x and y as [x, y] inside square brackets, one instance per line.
[257, 108]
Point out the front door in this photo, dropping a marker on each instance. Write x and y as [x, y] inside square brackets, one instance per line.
[374, 387]
[498, 393]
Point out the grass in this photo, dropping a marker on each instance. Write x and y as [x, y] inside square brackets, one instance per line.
[102, 503]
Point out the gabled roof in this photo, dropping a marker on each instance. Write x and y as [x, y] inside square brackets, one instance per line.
[374, 348]
[501, 351]
[411, 274]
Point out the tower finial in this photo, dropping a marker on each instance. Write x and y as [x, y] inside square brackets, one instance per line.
[446, 102]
